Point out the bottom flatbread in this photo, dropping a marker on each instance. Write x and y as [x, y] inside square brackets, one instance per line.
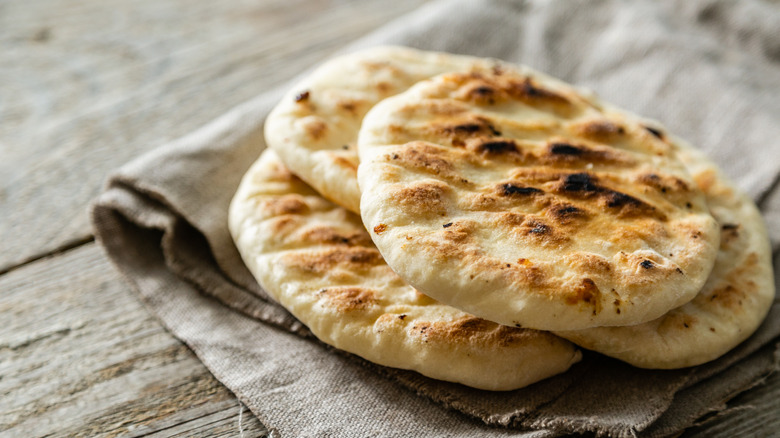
[731, 305]
[317, 260]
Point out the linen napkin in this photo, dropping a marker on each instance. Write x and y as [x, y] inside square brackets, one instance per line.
[708, 70]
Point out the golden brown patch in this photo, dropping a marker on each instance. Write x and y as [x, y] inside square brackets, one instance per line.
[484, 90]
[676, 322]
[510, 219]
[384, 88]
[350, 106]
[481, 92]
[315, 128]
[347, 299]
[666, 184]
[729, 297]
[353, 258]
[430, 108]
[280, 173]
[536, 176]
[586, 292]
[423, 198]
[471, 331]
[600, 130]
[527, 90]
[286, 224]
[459, 231]
[479, 202]
[379, 229]
[345, 163]
[424, 157]
[732, 297]
[287, 204]
[589, 262]
[376, 66]
[329, 235]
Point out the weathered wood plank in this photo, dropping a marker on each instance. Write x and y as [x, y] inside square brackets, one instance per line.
[80, 356]
[87, 86]
[755, 413]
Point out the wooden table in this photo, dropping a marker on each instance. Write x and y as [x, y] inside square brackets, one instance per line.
[85, 87]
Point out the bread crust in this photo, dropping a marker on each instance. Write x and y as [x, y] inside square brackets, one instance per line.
[314, 128]
[729, 308]
[523, 200]
[318, 261]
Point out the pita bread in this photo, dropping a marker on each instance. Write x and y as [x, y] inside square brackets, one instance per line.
[730, 307]
[318, 261]
[516, 198]
[315, 126]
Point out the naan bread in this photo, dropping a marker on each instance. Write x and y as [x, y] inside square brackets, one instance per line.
[315, 126]
[318, 261]
[514, 197]
[730, 307]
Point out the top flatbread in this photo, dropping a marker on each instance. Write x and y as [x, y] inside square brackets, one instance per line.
[730, 307]
[512, 196]
[314, 128]
[318, 261]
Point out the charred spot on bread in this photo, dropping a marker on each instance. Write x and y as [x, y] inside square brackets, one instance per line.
[579, 182]
[511, 189]
[302, 96]
[585, 186]
[656, 132]
[497, 147]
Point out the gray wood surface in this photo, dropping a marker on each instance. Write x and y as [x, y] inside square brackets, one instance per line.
[85, 87]
[80, 356]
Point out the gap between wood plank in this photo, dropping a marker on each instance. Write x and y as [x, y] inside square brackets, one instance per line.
[62, 249]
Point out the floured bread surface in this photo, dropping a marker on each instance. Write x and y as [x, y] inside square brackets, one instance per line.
[318, 261]
[730, 307]
[315, 126]
[512, 196]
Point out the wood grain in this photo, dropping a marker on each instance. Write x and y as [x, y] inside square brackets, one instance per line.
[755, 413]
[87, 86]
[80, 356]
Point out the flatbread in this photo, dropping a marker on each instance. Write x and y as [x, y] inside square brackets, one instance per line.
[518, 199]
[730, 307]
[317, 261]
[315, 126]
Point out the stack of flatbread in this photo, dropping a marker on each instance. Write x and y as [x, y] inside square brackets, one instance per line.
[477, 221]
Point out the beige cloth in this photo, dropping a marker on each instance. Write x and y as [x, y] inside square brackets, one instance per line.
[710, 71]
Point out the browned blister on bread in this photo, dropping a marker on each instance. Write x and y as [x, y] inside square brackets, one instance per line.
[314, 127]
[728, 309]
[318, 261]
[569, 214]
